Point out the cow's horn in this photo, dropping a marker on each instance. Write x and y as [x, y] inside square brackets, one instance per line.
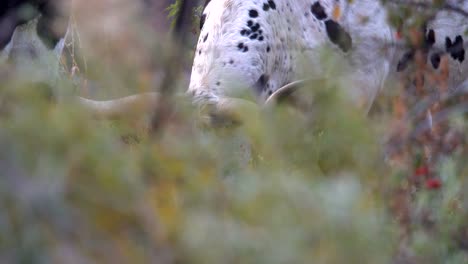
[112, 109]
[283, 92]
[228, 107]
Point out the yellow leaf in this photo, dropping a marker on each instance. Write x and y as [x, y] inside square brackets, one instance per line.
[336, 12]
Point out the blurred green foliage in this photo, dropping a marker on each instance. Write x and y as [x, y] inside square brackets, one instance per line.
[74, 188]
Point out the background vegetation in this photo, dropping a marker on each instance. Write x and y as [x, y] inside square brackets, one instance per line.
[325, 186]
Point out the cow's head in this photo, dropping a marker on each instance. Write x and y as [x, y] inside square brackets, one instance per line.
[32, 37]
[263, 45]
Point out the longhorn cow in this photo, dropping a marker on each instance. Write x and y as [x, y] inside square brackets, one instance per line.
[268, 46]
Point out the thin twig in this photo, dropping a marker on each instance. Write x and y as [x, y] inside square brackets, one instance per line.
[174, 66]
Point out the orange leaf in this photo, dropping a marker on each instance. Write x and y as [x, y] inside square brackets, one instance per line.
[336, 12]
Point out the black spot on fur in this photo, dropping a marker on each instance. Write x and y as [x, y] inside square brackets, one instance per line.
[255, 28]
[448, 43]
[243, 32]
[430, 38]
[455, 49]
[461, 56]
[268, 49]
[261, 84]
[254, 36]
[272, 4]
[318, 11]
[202, 21]
[205, 38]
[260, 38]
[240, 45]
[266, 7]
[435, 60]
[405, 60]
[338, 35]
[250, 23]
[253, 13]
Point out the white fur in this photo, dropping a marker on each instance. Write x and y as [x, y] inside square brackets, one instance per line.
[296, 38]
[450, 24]
[30, 56]
[297, 42]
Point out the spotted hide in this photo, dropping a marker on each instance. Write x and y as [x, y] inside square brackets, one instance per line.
[259, 46]
[266, 44]
[444, 39]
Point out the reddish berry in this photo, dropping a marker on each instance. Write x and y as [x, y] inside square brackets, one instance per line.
[433, 184]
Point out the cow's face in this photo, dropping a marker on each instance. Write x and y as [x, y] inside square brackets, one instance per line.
[262, 45]
[31, 58]
[32, 38]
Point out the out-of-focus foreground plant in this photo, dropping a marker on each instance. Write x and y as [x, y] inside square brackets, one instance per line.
[77, 189]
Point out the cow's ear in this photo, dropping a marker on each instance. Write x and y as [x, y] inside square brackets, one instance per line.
[53, 23]
[13, 14]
